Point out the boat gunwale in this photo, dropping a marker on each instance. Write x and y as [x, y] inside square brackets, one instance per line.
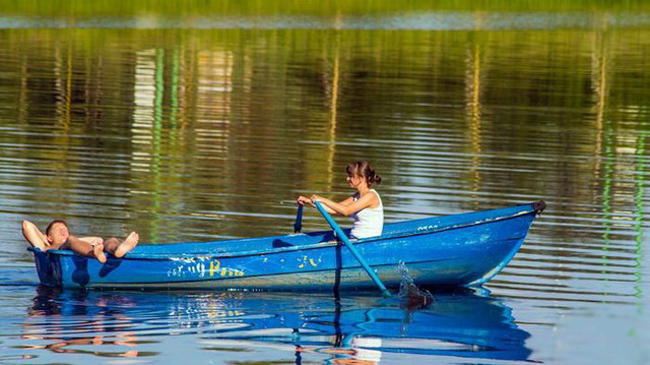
[209, 256]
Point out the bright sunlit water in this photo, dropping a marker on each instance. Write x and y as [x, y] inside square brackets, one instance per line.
[195, 126]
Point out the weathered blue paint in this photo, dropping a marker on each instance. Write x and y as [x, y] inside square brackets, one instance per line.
[455, 250]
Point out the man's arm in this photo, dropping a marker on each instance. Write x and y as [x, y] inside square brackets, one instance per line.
[34, 236]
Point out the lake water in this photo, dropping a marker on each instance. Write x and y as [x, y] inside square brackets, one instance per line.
[194, 126]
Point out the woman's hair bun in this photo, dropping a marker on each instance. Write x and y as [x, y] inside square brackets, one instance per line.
[376, 179]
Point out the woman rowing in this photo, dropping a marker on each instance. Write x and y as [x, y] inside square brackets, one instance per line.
[364, 206]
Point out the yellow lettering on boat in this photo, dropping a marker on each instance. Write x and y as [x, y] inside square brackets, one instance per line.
[214, 266]
[216, 269]
[305, 260]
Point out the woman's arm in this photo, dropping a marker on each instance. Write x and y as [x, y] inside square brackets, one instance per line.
[348, 206]
[345, 203]
[302, 200]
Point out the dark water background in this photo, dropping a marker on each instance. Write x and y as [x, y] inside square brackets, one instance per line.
[195, 123]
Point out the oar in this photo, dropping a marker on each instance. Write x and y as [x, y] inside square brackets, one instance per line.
[297, 227]
[346, 241]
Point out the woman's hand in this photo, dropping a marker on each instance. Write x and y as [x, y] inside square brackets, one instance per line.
[302, 200]
[326, 203]
[316, 198]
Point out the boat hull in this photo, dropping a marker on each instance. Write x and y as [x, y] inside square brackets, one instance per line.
[460, 250]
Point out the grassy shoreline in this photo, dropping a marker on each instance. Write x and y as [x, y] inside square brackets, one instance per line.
[325, 8]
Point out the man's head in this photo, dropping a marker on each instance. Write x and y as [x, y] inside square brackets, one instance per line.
[57, 232]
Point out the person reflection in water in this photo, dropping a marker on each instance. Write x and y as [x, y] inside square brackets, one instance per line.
[58, 237]
[48, 324]
[365, 206]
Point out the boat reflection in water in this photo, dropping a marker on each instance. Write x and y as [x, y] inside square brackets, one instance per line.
[62, 322]
[466, 323]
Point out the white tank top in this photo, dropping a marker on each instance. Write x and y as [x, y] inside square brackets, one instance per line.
[368, 222]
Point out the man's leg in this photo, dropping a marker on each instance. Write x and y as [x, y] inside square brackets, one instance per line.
[119, 249]
[93, 249]
[92, 240]
[34, 236]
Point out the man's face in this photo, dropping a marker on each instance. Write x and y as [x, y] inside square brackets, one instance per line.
[58, 234]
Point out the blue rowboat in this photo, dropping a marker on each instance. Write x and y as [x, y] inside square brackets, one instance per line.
[456, 250]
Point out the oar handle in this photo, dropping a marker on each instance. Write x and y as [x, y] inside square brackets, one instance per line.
[357, 255]
[297, 226]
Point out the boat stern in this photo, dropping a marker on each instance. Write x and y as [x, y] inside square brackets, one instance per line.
[47, 267]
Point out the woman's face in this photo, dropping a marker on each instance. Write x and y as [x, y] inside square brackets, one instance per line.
[354, 180]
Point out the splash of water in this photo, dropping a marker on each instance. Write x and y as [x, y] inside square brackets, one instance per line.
[409, 292]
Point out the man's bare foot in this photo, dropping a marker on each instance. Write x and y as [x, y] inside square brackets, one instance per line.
[98, 252]
[127, 245]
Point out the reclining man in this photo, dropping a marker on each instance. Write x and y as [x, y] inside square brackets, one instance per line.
[57, 237]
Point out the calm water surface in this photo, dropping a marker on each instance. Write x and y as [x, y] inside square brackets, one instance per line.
[196, 133]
